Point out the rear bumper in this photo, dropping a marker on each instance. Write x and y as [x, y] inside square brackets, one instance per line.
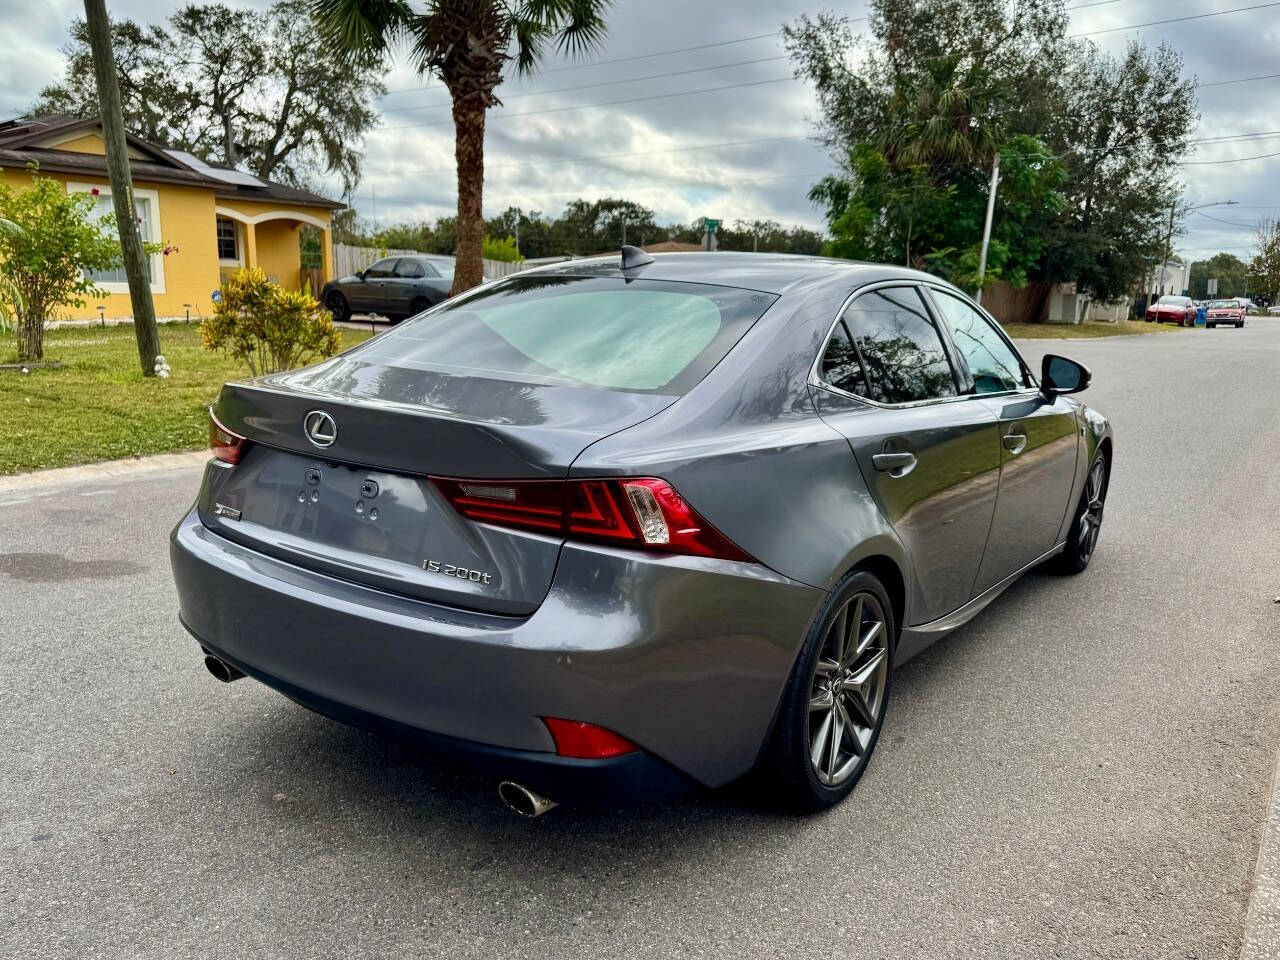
[635, 776]
[685, 657]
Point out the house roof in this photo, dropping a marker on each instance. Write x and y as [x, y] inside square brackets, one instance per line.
[27, 139]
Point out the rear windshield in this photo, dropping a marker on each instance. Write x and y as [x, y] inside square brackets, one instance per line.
[638, 336]
[1175, 301]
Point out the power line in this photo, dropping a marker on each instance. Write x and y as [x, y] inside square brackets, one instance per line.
[607, 103]
[701, 46]
[1209, 163]
[1223, 83]
[1158, 23]
[646, 153]
[1231, 223]
[590, 86]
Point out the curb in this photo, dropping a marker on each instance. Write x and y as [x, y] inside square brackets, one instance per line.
[107, 470]
[1261, 939]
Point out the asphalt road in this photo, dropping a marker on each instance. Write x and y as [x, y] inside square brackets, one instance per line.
[1081, 772]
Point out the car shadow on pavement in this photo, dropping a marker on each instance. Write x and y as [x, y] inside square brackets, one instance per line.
[360, 795]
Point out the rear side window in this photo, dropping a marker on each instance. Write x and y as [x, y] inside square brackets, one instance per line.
[840, 364]
[644, 336]
[409, 268]
[991, 361]
[901, 350]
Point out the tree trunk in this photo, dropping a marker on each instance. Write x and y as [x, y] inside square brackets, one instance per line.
[30, 338]
[468, 126]
[135, 262]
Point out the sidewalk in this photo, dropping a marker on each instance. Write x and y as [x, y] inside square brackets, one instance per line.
[23, 485]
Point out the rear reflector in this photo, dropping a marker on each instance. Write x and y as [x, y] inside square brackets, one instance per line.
[586, 741]
[226, 446]
[641, 512]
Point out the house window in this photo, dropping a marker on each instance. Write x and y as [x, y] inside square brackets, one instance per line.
[227, 240]
[104, 208]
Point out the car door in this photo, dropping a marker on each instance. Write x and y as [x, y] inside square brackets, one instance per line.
[1039, 441]
[929, 455]
[370, 294]
[403, 285]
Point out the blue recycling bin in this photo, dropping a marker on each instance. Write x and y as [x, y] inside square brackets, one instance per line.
[1201, 313]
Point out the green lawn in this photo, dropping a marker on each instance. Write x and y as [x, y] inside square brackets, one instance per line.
[100, 407]
[1078, 331]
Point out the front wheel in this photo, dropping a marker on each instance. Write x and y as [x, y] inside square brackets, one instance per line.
[834, 704]
[1082, 538]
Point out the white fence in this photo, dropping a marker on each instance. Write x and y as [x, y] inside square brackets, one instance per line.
[348, 260]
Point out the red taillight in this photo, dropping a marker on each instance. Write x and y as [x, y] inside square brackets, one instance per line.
[226, 446]
[642, 512]
[586, 741]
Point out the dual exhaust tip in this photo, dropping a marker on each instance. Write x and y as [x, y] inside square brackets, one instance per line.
[522, 800]
[517, 797]
[221, 669]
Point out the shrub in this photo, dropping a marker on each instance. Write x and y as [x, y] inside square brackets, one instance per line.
[267, 327]
[504, 250]
[51, 240]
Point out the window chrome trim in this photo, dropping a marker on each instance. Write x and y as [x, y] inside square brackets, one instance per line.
[815, 376]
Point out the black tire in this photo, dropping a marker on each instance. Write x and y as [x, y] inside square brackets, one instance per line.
[1208, 325]
[418, 305]
[1240, 325]
[788, 768]
[1080, 547]
[338, 306]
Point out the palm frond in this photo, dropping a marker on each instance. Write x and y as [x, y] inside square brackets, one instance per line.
[356, 26]
[577, 28]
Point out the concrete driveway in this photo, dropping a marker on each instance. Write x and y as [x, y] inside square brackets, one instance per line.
[1081, 772]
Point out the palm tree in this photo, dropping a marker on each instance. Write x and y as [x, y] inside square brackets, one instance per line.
[467, 44]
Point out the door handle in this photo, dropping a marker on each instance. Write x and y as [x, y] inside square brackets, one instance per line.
[894, 464]
[1015, 443]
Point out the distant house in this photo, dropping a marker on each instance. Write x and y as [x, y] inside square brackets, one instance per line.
[213, 219]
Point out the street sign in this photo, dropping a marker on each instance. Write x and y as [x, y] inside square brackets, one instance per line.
[709, 225]
[1213, 287]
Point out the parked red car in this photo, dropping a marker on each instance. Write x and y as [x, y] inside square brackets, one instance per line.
[1225, 311]
[1169, 309]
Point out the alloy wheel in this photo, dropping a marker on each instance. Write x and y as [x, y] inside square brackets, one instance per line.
[1091, 517]
[848, 690]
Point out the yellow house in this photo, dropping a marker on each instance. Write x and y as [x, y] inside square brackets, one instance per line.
[212, 220]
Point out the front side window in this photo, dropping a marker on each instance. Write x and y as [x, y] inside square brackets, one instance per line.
[104, 208]
[903, 358]
[991, 361]
[227, 239]
[382, 269]
[609, 333]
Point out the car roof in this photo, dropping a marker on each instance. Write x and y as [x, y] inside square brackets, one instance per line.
[767, 272]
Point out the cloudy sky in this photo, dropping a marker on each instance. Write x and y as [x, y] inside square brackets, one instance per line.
[564, 134]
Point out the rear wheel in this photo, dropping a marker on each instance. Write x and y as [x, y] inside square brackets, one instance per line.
[418, 305]
[1082, 538]
[337, 305]
[834, 704]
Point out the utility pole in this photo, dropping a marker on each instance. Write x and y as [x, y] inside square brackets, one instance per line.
[517, 233]
[112, 116]
[986, 228]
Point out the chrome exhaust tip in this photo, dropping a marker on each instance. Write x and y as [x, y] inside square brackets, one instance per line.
[221, 669]
[522, 800]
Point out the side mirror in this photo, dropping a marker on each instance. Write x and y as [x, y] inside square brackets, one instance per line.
[360, 275]
[1060, 375]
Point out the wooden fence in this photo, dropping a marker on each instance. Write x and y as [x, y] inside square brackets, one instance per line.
[348, 260]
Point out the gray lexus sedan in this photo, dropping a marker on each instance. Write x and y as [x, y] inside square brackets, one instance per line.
[618, 527]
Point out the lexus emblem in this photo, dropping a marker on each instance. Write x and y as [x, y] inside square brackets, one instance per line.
[320, 428]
